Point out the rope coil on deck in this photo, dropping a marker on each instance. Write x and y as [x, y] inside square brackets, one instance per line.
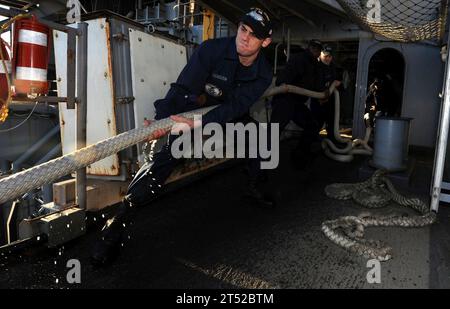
[375, 192]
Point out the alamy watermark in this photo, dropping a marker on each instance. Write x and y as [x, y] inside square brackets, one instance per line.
[74, 274]
[374, 274]
[374, 13]
[238, 141]
[74, 12]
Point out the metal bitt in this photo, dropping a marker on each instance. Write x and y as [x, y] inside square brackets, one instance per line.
[82, 54]
[441, 147]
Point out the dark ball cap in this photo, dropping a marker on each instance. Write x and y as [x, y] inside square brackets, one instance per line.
[315, 44]
[327, 50]
[259, 21]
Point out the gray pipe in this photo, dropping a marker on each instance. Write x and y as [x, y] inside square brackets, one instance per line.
[47, 190]
[288, 48]
[50, 155]
[275, 66]
[82, 57]
[25, 156]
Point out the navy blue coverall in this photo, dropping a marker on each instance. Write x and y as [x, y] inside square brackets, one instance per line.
[212, 76]
[324, 111]
[300, 71]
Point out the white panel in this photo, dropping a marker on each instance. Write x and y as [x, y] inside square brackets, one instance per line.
[101, 120]
[155, 64]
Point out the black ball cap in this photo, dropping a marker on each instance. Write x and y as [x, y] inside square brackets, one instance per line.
[315, 44]
[327, 50]
[259, 21]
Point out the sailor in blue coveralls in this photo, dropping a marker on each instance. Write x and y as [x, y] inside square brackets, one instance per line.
[229, 72]
[301, 71]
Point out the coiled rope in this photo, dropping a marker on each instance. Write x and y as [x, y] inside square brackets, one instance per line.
[375, 192]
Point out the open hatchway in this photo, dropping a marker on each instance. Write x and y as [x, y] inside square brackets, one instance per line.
[386, 75]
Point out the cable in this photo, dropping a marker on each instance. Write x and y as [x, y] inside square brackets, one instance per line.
[13, 128]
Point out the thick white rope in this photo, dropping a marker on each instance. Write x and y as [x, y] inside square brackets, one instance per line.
[17, 184]
[377, 191]
[356, 146]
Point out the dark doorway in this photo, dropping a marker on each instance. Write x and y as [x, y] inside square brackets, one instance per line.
[386, 77]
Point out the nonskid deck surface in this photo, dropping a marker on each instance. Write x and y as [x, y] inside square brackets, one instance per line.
[204, 236]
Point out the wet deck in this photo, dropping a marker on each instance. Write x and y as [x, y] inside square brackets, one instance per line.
[203, 236]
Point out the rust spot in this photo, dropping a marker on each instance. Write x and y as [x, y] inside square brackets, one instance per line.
[109, 73]
[70, 54]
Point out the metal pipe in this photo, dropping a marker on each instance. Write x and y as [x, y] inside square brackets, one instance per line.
[5, 166]
[53, 153]
[82, 54]
[47, 193]
[8, 222]
[71, 68]
[275, 65]
[184, 15]
[288, 48]
[41, 99]
[441, 147]
[25, 156]
[56, 26]
[11, 12]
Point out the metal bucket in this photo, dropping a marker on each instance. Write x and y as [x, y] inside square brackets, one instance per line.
[391, 143]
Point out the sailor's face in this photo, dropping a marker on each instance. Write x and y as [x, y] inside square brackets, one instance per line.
[326, 58]
[247, 44]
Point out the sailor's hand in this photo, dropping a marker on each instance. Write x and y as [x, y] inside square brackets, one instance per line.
[157, 133]
[182, 124]
[323, 101]
[180, 119]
